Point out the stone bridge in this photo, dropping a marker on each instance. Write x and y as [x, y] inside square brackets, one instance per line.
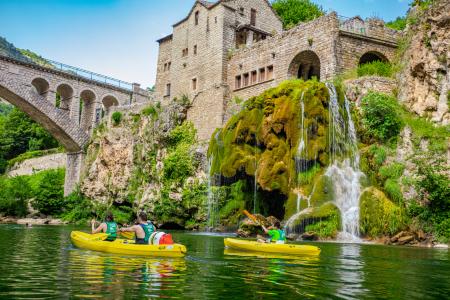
[67, 101]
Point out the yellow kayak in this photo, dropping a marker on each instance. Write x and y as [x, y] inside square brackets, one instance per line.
[286, 249]
[95, 242]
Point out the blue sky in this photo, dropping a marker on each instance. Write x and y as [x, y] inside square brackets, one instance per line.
[117, 37]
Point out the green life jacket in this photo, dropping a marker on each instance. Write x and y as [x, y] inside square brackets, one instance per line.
[277, 235]
[148, 230]
[111, 230]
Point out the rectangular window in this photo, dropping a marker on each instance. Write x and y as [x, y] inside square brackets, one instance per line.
[167, 89]
[238, 82]
[207, 24]
[168, 66]
[194, 84]
[197, 15]
[254, 77]
[195, 50]
[215, 20]
[262, 75]
[253, 17]
[269, 72]
[241, 10]
[246, 79]
[185, 52]
[165, 67]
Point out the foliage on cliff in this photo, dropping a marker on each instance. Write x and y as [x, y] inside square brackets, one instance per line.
[293, 12]
[148, 161]
[404, 157]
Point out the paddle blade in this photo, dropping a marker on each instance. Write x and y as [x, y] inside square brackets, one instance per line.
[250, 216]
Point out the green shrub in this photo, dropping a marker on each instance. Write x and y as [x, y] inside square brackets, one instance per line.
[49, 192]
[116, 118]
[293, 12]
[381, 116]
[397, 24]
[379, 154]
[178, 164]
[435, 187]
[184, 133]
[375, 68]
[393, 190]
[14, 195]
[393, 171]
[150, 111]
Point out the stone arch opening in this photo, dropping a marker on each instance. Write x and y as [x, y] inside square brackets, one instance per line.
[87, 108]
[305, 65]
[65, 94]
[41, 86]
[108, 102]
[372, 56]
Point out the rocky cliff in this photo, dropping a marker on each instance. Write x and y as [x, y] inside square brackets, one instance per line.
[424, 81]
[148, 159]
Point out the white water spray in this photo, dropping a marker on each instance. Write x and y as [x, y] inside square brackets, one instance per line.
[345, 175]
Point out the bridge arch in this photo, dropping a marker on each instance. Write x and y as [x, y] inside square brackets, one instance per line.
[87, 109]
[109, 101]
[66, 94]
[371, 56]
[41, 86]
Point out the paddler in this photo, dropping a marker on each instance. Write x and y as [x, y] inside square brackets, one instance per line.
[276, 234]
[142, 231]
[109, 227]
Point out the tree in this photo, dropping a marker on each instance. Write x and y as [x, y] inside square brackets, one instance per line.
[293, 12]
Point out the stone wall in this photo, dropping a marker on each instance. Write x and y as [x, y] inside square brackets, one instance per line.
[219, 72]
[318, 36]
[37, 164]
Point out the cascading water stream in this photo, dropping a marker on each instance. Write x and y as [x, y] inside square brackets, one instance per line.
[212, 201]
[345, 175]
[301, 154]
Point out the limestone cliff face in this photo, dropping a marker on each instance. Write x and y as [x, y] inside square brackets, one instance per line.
[424, 83]
[148, 160]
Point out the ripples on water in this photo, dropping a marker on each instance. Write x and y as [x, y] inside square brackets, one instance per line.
[41, 263]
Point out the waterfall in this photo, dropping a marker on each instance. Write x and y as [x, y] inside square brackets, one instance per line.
[345, 175]
[213, 207]
[301, 162]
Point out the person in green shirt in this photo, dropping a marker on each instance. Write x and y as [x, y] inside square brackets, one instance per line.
[109, 227]
[276, 234]
[143, 230]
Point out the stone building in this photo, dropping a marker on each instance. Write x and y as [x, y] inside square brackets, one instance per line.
[238, 48]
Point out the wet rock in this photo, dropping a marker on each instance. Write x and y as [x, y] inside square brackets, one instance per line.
[396, 237]
[309, 236]
[420, 235]
[292, 237]
[405, 239]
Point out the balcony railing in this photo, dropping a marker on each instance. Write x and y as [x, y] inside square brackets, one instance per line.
[51, 64]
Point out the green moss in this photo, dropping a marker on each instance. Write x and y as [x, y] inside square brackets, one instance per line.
[265, 135]
[323, 220]
[378, 215]
[393, 190]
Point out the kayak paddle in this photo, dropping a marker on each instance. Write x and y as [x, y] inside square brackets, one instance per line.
[251, 217]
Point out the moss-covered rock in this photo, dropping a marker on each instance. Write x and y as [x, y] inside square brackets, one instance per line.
[261, 140]
[323, 221]
[378, 215]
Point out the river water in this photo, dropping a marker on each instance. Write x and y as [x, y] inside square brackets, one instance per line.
[40, 262]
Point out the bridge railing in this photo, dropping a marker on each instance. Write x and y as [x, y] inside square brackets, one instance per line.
[48, 63]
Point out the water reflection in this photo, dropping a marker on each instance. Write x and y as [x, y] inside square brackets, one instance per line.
[100, 273]
[350, 272]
